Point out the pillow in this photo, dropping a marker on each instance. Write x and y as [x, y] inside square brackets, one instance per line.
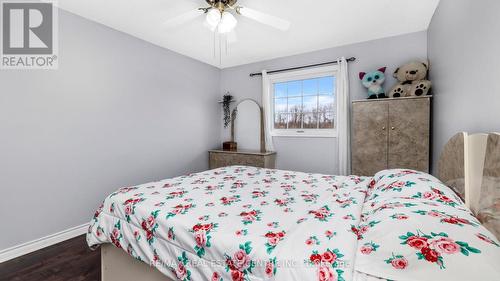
[401, 183]
[408, 239]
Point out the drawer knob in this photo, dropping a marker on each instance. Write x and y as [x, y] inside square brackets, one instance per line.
[383, 128]
[393, 128]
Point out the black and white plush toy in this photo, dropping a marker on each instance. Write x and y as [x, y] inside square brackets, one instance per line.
[412, 79]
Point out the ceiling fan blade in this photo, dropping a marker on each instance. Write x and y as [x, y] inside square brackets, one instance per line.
[182, 19]
[266, 19]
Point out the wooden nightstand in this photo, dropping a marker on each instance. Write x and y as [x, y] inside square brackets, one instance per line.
[222, 158]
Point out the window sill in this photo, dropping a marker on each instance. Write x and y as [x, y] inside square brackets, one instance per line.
[304, 135]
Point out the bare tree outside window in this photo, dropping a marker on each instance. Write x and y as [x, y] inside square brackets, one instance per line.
[305, 104]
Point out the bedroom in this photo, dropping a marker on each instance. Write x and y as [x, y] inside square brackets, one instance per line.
[132, 92]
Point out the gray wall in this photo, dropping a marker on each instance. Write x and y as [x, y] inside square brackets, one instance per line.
[119, 111]
[464, 45]
[319, 154]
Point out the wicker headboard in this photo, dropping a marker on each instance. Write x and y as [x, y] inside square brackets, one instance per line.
[470, 164]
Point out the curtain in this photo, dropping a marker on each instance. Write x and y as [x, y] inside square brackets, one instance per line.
[343, 118]
[268, 116]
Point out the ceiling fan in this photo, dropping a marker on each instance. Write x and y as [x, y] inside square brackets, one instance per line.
[220, 16]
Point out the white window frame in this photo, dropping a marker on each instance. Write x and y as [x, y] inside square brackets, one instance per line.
[303, 75]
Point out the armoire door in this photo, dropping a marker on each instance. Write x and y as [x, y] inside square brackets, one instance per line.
[370, 137]
[409, 129]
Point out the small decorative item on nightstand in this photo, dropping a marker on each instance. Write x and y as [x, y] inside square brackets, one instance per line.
[230, 146]
[229, 117]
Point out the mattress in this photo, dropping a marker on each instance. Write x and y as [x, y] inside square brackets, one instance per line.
[245, 223]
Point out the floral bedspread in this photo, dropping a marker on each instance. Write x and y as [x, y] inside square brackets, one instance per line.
[238, 223]
[245, 223]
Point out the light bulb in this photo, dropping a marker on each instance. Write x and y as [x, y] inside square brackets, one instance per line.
[227, 23]
[213, 18]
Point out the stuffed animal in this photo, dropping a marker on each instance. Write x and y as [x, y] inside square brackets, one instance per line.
[412, 79]
[373, 82]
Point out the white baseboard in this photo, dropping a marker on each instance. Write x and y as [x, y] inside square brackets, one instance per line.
[40, 243]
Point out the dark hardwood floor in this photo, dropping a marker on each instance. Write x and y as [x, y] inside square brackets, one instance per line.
[71, 260]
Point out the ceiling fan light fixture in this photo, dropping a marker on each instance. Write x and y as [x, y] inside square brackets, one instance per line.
[227, 23]
[213, 18]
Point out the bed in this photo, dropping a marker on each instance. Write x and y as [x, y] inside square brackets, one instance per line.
[246, 223]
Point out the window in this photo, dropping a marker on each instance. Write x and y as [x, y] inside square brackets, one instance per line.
[304, 103]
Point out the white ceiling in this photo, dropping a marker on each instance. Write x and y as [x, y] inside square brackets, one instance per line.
[315, 25]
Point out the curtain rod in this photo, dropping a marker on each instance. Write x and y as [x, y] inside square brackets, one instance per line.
[351, 59]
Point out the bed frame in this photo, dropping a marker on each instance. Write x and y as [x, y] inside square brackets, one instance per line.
[117, 265]
[466, 162]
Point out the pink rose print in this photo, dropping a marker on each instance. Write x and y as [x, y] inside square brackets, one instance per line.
[273, 238]
[237, 275]
[250, 217]
[315, 258]
[445, 199]
[326, 273]
[322, 214]
[241, 260]
[434, 214]
[175, 194]
[271, 268]
[99, 231]
[240, 263]
[487, 239]
[181, 271]
[258, 194]
[227, 201]
[200, 238]
[312, 240]
[116, 236]
[429, 195]
[372, 183]
[445, 245]
[216, 277]
[273, 241]
[170, 233]
[432, 247]
[328, 257]
[430, 254]
[399, 217]
[399, 263]
[450, 220]
[363, 229]
[180, 210]
[366, 250]
[238, 184]
[128, 209]
[417, 242]
[150, 222]
[327, 263]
